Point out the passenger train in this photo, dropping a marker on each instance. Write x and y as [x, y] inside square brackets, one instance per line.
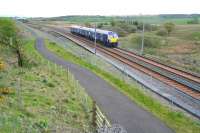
[107, 38]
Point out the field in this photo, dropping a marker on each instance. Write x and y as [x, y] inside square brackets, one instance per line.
[39, 97]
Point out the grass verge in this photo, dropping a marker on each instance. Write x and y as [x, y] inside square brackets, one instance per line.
[176, 120]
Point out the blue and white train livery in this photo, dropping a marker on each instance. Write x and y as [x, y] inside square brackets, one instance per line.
[107, 38]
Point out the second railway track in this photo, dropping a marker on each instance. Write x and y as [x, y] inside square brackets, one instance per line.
[172, 80]
[182, 81]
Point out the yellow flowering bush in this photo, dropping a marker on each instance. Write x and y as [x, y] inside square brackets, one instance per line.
[2, 65]
[1, 99]
[5, 91]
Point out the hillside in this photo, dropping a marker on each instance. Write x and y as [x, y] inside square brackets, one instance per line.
[37, 97]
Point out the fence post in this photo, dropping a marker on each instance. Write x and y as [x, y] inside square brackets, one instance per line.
[104, 124]
[67, 74]
[94, 116]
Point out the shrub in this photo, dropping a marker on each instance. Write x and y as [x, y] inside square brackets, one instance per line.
[100, 25]
[6, 91]
[2, 65]
[122, 28]
[121, 32]
[149, 41]
[87, 24]
[169, 26]
[50, 84]
[113, 23]
[42, 125]
[162, 32]
[52, 43]
[131, 28]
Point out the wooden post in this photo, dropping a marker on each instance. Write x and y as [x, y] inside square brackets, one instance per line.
[67, 74]
[94, 116]
[104, 124]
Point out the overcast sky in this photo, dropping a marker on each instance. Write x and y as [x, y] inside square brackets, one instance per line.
[49, 8]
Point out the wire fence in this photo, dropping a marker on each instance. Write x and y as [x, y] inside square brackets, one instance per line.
[98, 121]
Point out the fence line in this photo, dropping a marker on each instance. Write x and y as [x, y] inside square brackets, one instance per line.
[99, 122]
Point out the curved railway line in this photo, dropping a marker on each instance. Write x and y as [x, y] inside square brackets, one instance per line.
[186, 83]
[182, 81]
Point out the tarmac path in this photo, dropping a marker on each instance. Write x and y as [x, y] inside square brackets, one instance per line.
[117, 107]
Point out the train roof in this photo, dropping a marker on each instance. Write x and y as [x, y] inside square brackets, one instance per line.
[93, 30]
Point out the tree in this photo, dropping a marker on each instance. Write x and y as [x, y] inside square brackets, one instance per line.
[113, 23]
[10, 36]
[169, 26]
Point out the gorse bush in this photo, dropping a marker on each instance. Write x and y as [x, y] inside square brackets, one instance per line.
[2, 65]
[6, 91]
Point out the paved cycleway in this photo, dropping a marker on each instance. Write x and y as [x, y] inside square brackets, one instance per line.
[117, 107]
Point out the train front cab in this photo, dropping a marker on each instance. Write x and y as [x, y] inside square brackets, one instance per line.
[113, 39]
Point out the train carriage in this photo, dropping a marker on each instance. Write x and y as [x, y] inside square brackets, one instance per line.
[107, 38]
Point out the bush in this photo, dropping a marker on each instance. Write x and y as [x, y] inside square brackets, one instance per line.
[113, 23]
[121, 32]
[100, 25]
[162, 32]
[6, 91]
[50, 84]
[149, 41]
[87, 24]
[131, 28]
[2, 65]
[154, 27]
[169, 26]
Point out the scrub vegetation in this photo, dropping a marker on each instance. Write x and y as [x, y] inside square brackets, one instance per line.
[174, 119]
[180, 48]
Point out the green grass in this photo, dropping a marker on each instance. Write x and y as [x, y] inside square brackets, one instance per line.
[176, 120]
[44, 98]
[195, 36]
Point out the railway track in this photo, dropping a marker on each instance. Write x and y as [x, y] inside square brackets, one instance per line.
[190, 80]
[183, 81]
[167, 75]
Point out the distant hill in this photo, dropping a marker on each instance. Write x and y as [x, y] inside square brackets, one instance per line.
[176, 18]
